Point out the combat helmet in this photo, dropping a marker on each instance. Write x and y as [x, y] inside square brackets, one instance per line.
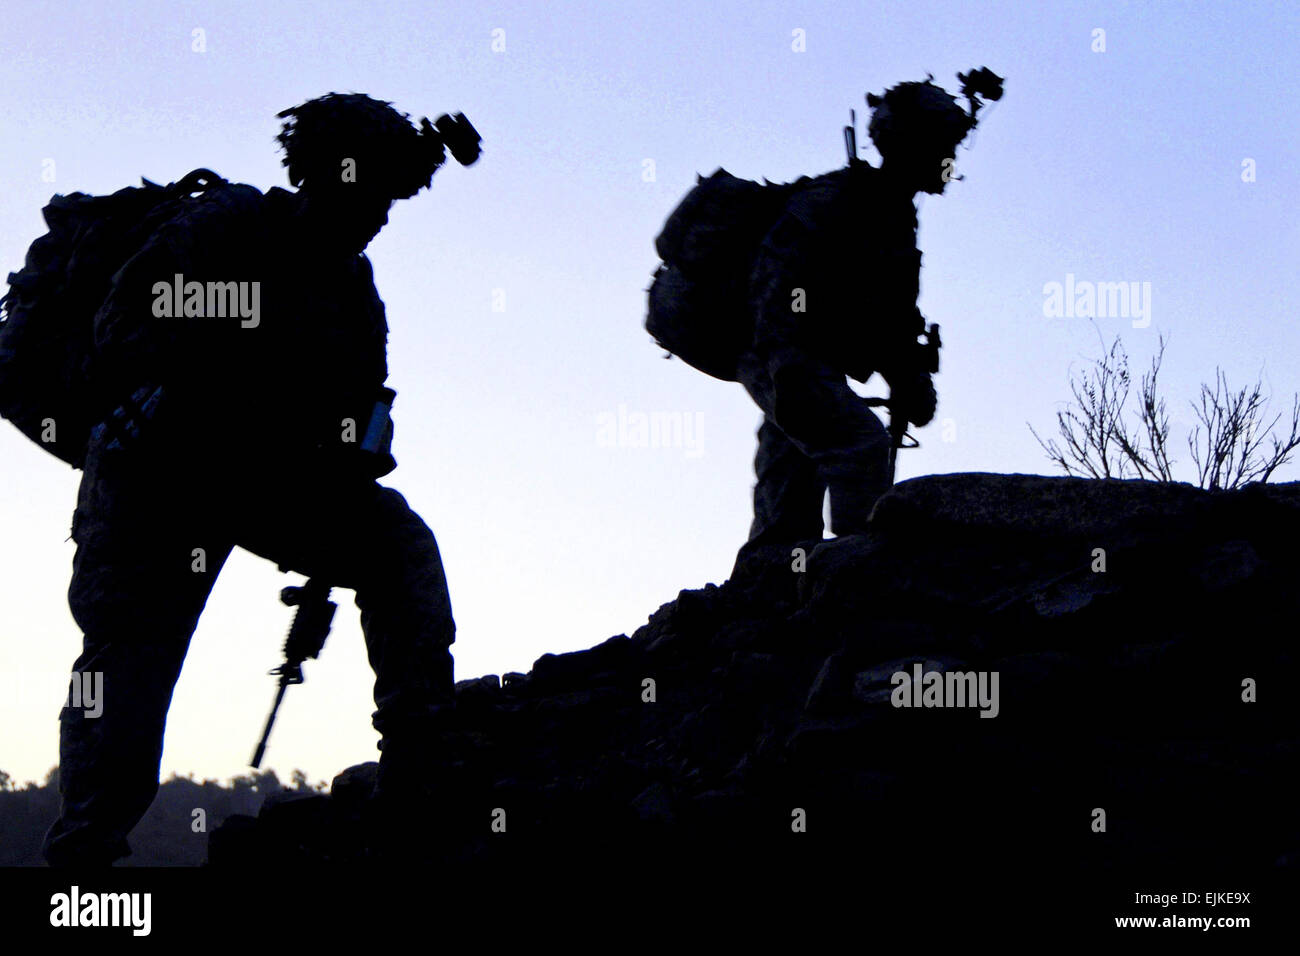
[922, 117]
[319, 134]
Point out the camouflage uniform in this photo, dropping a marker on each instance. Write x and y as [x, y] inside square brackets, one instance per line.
[245, 450]
[849, 242]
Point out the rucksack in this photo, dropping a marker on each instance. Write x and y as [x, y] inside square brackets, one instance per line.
[697, 306]
[47, 316]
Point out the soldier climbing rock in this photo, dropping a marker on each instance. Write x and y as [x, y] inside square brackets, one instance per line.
[827, 290]
[250, 431]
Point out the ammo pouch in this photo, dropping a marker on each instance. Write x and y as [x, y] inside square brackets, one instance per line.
[363, 446]
[377, 439]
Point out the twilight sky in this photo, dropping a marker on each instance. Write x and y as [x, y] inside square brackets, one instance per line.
[515, 288]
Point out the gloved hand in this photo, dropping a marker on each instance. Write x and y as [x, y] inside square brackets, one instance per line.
[918, 399]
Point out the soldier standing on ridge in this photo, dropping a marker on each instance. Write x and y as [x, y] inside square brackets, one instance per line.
[790, 288]
[849, 241]
[245, 433]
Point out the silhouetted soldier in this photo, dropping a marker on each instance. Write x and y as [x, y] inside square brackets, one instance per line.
[251, 431]
[831, 293]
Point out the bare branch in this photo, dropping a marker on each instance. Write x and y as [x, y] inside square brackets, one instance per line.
[1227, 445]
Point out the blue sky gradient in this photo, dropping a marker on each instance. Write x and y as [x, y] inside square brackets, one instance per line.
[1122, 165]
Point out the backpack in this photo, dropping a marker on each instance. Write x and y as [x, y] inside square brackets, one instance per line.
[47, 316]
[698, 307]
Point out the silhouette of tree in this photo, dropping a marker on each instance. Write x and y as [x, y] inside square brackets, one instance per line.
[163, 837]
[301, 781]
[1230, 452]
[1227, 447]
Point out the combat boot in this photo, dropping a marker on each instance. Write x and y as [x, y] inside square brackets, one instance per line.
[853, 501]
[87, 857]
[415, 787]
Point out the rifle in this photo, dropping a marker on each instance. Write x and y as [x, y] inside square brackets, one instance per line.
[898, 436]
[307, 633]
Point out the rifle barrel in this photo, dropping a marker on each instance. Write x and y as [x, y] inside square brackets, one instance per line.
[270, 722]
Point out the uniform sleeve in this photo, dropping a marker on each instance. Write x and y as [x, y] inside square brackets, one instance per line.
[899, 322]
[877, 266]
[376, 317]
[897, 266]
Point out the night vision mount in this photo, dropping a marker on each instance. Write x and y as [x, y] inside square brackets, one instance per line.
[977, 86]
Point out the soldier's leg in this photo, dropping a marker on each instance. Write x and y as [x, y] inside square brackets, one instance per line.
[137, 596]
[788, 491]
[363, 536]
[814, 407]
[407, 619]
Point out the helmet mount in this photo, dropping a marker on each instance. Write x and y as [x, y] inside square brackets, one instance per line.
[393, 157]
[923, 118]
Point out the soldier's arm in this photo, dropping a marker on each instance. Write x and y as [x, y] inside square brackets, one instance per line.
[898, 321]
[376, 333]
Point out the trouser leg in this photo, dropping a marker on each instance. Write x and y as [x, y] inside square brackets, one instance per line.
[361, 535]
[109, 762]
[788, 491]
[815, 409]
[137, 591]
[407, 619]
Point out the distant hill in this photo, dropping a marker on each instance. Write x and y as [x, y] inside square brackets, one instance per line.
[164, 837]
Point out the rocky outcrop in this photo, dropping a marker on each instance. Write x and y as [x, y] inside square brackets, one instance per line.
[1115, 628]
